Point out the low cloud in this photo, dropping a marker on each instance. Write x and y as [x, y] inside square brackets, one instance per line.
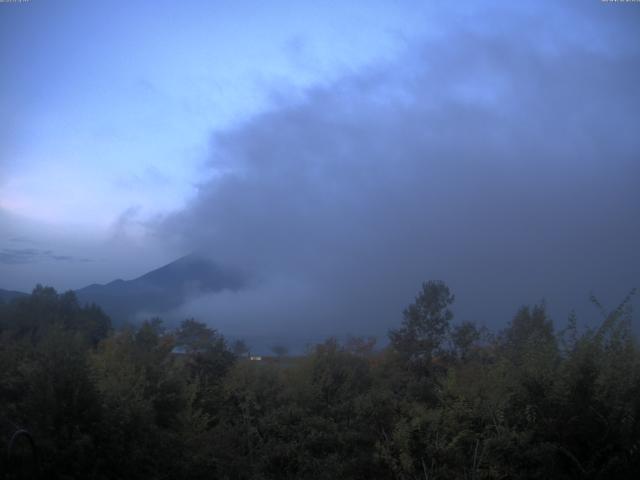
[503, 166]
[17, 256]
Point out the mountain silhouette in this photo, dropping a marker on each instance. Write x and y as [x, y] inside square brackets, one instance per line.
[8, 295]
[163, 289]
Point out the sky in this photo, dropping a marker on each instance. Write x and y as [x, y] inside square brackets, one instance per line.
[339, 152]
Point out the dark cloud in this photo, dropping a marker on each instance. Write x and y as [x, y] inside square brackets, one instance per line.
[17, 256]
[504, 165]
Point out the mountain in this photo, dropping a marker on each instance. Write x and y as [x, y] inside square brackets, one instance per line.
[163, 289]
[8, 295]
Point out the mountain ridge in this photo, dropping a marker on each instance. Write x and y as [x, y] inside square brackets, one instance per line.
[162, 289]
[157, 291]
[8, 295]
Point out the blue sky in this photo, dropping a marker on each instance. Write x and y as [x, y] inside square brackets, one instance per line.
[327, 147]
[110, 104]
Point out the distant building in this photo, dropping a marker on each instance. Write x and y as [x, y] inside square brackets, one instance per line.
[255, 358]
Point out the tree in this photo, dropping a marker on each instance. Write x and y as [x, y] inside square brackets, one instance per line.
[240, 348]
[33, 316]
[425, 324]
[530, 331]
[362, 346]
[207, 359]
[464, 338]
[280, 350]
[195, 336]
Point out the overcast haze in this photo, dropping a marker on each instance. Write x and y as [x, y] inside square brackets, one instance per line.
[338, 154]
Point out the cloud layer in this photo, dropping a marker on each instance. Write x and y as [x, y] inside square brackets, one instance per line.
[13, 256]
[502, 164]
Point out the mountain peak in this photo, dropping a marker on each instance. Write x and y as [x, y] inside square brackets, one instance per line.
[164, 288]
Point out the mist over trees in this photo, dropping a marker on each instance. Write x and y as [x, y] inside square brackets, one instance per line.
[444, 398]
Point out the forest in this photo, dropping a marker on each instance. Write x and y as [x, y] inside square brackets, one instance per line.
[441, 399]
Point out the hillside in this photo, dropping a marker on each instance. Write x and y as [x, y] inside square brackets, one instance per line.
[161, 290]
[8, 295]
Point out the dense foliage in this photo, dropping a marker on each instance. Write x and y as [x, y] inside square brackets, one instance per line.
[442, 400]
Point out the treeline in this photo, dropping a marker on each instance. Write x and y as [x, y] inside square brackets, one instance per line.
[441, 401]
